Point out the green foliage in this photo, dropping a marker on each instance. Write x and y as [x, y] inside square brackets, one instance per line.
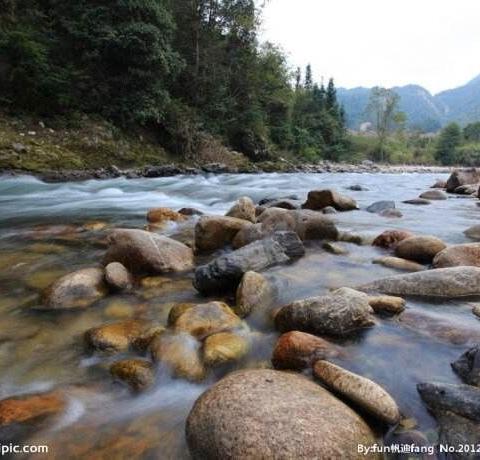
[449, 140]
[471, 132]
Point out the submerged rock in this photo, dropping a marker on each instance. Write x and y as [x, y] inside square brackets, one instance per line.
[434, 195]
[366, 394]
[419, 248]
[391, 238]
[30, 409]
[180, 354]
[320, 199]
[458, 255]
[298, 350]
[468, 366]
[137, 373]
[417, 201]
[254, 292]
[215, 232]
[400, 264]
[118, 277]
[79, 289]
[473, 232]
[267, 414]
[144, 252]
[380, 206]
[462, 177]
[334, 248]
[223, 348]
[441, 282]
[206, 319]
[244, 209]
[225, 272]
[337, 314]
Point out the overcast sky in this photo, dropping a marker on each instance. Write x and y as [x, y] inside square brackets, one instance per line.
[433, 43]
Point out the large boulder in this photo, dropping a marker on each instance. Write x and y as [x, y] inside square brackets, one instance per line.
[79, 289]
[320, 199]
[390, 238]
[461, 177]
[297, 350]
[272, 414]
[244, 209]
[457, 255]
[362, 391]
[255, 292]
[337, 314]
[215, 232]
[206, 319]
[144, 252]
[420, 248]
[179, 353]
[441, 282]
[225, 272]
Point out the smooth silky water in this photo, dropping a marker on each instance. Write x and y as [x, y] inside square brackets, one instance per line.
[48, 230]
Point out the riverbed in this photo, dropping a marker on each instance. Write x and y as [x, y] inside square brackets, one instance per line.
[48, 230]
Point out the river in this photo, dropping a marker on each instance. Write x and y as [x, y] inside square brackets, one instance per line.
[40, 240]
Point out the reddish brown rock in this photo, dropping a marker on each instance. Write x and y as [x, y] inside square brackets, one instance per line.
[420, 248]
[458, 255]
[390, 238]
[137, 373]
[244, 209]
[215, 232]
[163, 215]
[299, 350]
[320, 199]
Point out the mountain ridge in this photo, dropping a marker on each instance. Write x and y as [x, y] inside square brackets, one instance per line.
[425, 111]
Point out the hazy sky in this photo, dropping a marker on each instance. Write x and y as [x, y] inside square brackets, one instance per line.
[433, 43]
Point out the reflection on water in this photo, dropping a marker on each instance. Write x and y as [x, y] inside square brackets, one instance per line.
[48, 230]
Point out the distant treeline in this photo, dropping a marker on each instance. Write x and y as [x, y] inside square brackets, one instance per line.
[183, 69]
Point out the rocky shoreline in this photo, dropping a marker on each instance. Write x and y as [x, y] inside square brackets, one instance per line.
[170, 170]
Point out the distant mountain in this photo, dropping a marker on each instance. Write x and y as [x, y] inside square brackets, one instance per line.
[424, 111]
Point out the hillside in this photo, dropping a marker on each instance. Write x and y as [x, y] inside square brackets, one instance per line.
[424, 111]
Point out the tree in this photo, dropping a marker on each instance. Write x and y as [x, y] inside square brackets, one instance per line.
[308, 78]
[382, 108]
[471, 132]
[449, 140]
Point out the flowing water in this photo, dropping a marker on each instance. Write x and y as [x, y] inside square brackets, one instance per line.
[47, 230]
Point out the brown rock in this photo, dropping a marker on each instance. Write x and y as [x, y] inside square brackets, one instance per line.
[334, 248]
[180, 354]
[244, 209]
[320, 199]
[178, 310]
[214, 232]
[207, 319]
[387, 304]
[298, 350]
[470, 189]
[399, 264]
[248, 235]
[457, 255]
[420, 248]
[115, 337]
[118, 277]
[462, 177]
[390, 238]
[434, 195]
[360, 390]
[473, 232]
[79, 289]
[223, 348]
[261, 414]
[254, 292]
[163, 215]
[439, 184]
[137, 373]
[190, 212]
[142, 341]
[144, 252]
[417, 201]
[30, 408]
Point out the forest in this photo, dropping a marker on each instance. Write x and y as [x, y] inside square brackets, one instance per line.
[184, 70]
